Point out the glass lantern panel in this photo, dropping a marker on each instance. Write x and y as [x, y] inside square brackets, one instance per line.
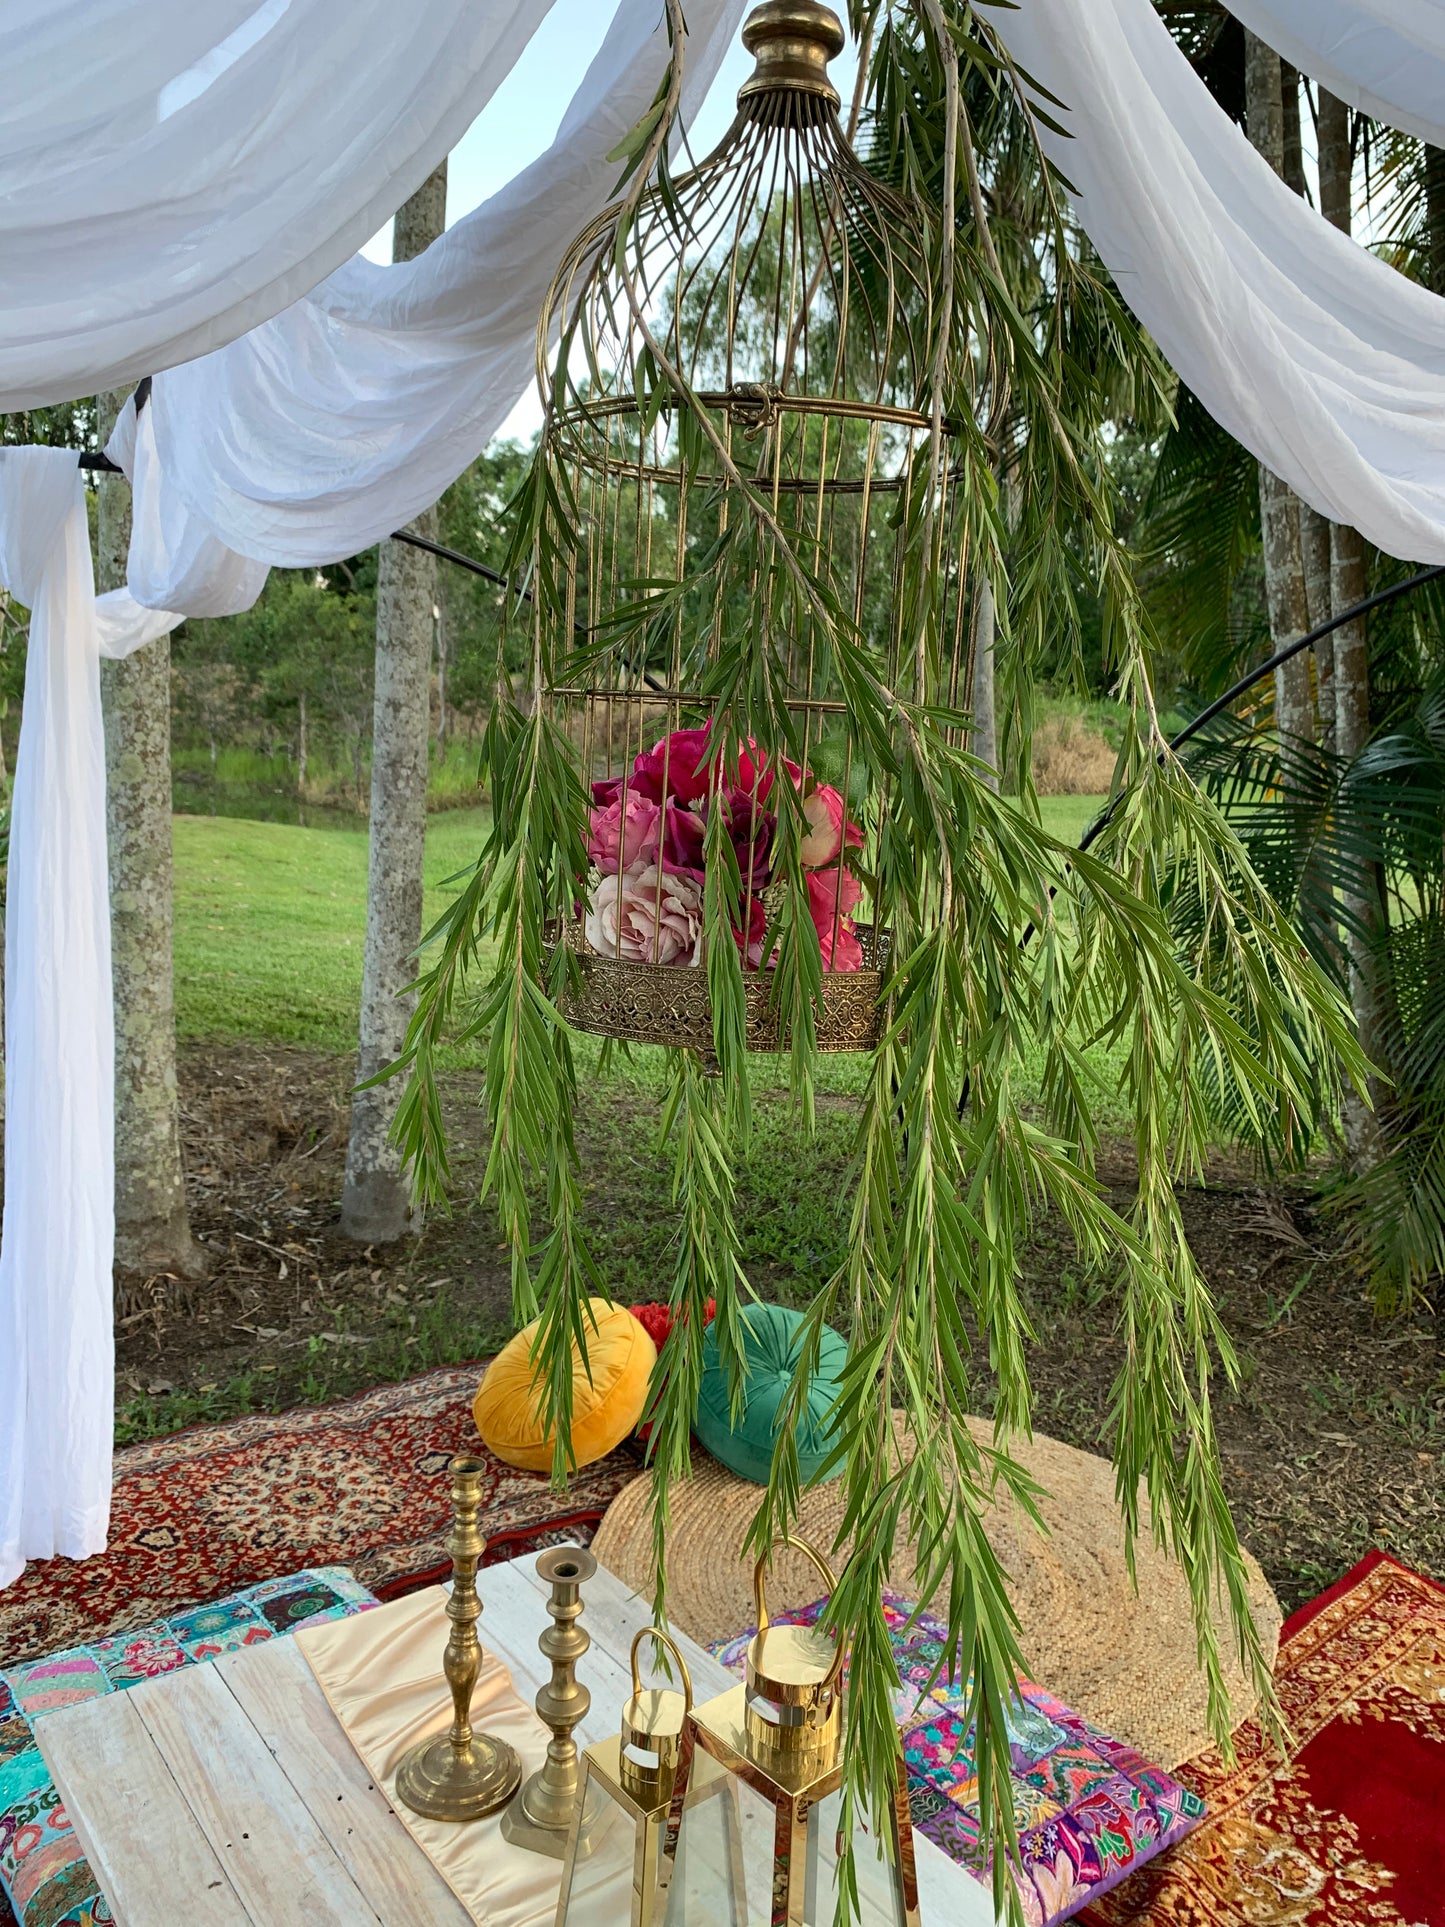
[880, 1891]
[724, 1853]
[600, 1891]
[723, 1874]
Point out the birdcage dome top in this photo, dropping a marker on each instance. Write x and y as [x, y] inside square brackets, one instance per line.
[779, 274]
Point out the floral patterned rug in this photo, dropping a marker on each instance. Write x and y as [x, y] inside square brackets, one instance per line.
[361, 1484]
[1349, 1827]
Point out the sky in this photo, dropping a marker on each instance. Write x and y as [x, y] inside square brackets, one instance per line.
[523, 116]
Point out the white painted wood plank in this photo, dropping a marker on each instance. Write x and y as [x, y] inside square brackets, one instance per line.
[133, 1823]
[278, 1692]
[274, 1854]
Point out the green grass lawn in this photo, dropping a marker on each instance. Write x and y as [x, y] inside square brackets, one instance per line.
[270, 921]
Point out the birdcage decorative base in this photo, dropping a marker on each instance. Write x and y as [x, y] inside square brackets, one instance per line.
[642, 1003]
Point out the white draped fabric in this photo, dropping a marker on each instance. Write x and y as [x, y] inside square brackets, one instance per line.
[173, 174]
[1327, 364]
[340, 420]
[305, 441]
[57, 1363]
[1386, 57]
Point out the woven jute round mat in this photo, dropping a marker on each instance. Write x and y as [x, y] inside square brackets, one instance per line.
[1122, 1657]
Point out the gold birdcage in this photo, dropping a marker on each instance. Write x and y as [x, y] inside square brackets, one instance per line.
[745, 471]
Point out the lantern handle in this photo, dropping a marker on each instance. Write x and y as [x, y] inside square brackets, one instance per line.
[666, 1639]
[760, 1594]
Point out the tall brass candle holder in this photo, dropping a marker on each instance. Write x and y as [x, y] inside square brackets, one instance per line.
[461, 1774]
[541, 1815]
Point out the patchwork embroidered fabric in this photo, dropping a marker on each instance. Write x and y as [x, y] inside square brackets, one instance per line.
[1089, 1810]
[43, 1873]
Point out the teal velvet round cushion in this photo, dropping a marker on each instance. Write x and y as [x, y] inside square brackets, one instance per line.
[771, 1341]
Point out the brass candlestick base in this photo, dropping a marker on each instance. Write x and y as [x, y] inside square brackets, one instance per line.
[541, 1816]
[461, 1775]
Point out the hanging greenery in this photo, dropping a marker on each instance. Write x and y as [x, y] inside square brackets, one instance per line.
[710, 541]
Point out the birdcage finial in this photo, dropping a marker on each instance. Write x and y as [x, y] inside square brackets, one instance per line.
[793, 40]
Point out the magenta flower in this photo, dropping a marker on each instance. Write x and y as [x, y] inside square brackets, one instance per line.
[682, 834]
[677, 767]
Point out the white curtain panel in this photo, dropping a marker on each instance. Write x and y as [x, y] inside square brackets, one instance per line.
[367, 401]
[1386, 57]
[57, 1362]
[173, 174]
[1327, 364]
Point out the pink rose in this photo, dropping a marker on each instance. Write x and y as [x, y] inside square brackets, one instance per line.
[846, 953]
[623, 835]
[646, 916]
[828, 826]
[830, 898]
[832, 894]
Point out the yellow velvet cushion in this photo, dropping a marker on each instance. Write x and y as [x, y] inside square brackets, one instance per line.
[605, 1408]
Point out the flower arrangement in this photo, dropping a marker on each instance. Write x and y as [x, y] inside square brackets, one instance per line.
[645, 838]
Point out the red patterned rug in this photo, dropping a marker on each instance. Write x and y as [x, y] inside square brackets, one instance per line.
[360, 1484]
[1348, 1829]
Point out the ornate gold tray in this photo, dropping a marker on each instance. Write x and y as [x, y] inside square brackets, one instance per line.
[640, 1003]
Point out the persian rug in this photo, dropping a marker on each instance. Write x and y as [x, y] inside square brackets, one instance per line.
[361, 1483]
[1347, 1829]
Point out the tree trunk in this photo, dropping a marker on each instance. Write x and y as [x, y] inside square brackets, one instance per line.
[1352, 675]
[1279, 507]
[1314, 530]
[301, 744]
[376, 1202]
[152, 1226]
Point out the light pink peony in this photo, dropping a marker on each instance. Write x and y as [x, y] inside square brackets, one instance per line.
[623, 837]
[828, 824]
[646, 917]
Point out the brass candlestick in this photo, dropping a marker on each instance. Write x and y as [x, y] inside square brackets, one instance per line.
[461, 1775]
[541, 1815]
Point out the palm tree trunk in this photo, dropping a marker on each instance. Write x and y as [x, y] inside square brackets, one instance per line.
[376, 1202]
[152, 1225]
[1279, 506]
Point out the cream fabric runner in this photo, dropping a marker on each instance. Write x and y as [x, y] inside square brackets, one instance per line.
[382, 1674]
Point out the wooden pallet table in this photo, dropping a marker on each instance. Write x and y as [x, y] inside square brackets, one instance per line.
[228, 1795]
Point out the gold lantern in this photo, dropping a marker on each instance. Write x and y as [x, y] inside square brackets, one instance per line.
[758, 1795]
[634, 1773]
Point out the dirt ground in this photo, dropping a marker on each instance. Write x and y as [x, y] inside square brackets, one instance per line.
[1334, 1442]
